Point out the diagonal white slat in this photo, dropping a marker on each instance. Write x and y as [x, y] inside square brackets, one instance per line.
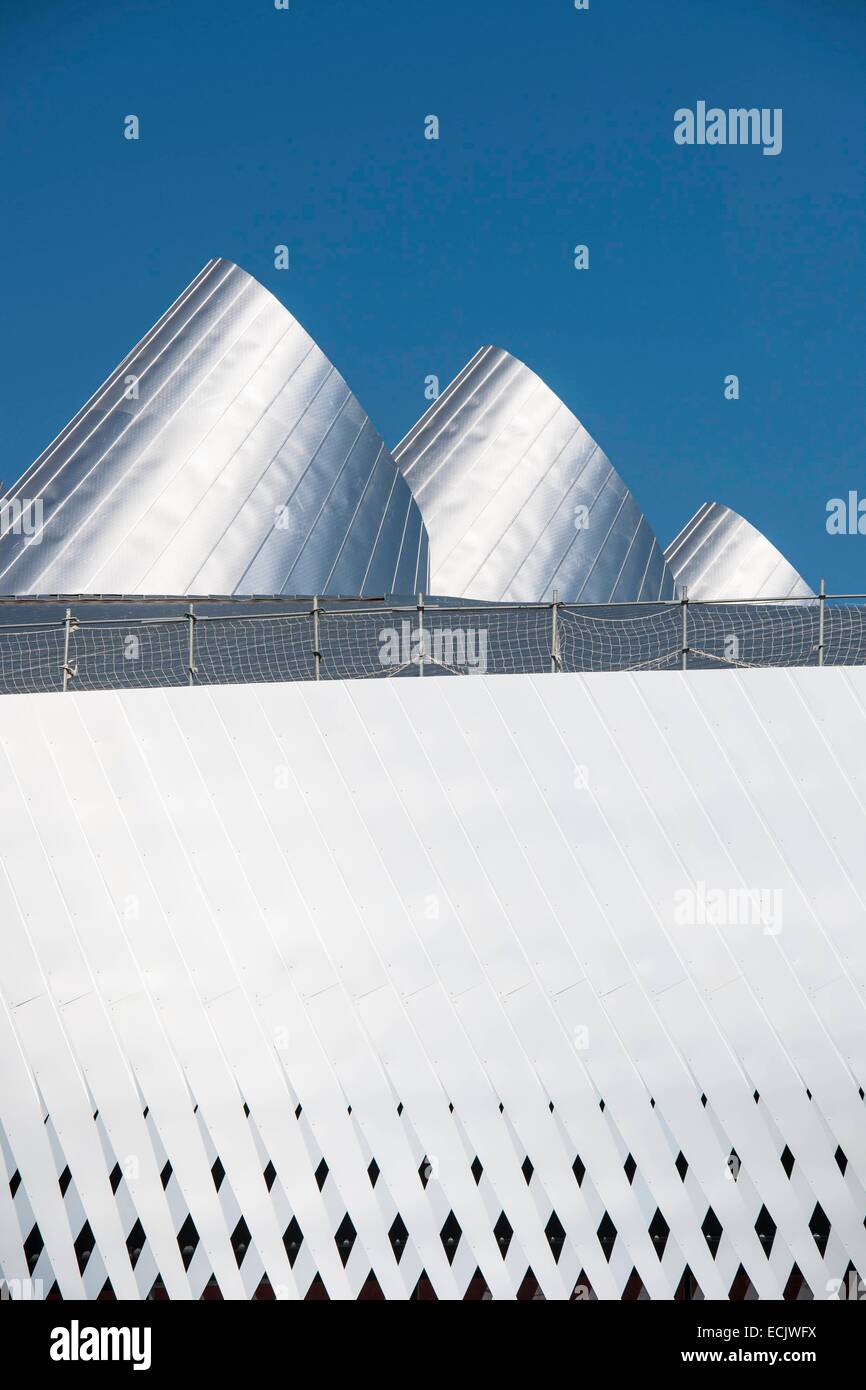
[328, 1026]
[540, 832]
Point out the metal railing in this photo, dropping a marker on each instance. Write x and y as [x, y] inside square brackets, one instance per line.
[98, 642]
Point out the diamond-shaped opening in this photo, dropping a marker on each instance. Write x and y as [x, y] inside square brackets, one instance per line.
[240, 1240]
[270, 1175]
[106, 1293]
[578, 1168]
[659, 1230]
[712, 1229]
[796, 1288]
[423, 1291]
[630, 1168]
[84, 1246]
[264, 1292]
[33, 1247]
[211, 1293]
[820, 1228]
[64, 1180]
[787, 1161]
[477, 1290]
[373, 1172]
[682, 1165]
[345, 1238]
[477, 1169]
[158, 1292]
[135, 1243]
[317, 1293]
[841, 1160]
[688, 1288]
[293, 1239]
[606, 1235]
[425, 1170]
[398, 1236]
[187, 1239]
[14, 1182]
[503, 1233]
[530, 1289]
[527, 1170]
[321, 1174]
[765, 1227]
[165, 1175]
[371, 1290]
[583, 1292]
[450, 1236]
[734, 1164]
[742, 1288]
[634, 1289]
[555, 1232]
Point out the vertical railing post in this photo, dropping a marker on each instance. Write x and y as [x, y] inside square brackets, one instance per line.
[822, 599]
[420, 634]
[317, 651]
[685, 642]
[191, 644]
[68, 670]
[554, 634]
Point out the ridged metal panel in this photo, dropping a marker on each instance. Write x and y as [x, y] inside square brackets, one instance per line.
[375, 950]
[720, 555]
[224, 455]
[499, 467]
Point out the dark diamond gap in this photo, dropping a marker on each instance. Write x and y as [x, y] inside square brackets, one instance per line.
[503, 1233]
[241, 1240]
[555, 1232]
[712, 1229]
[345, 1237]
[659, 1230]
[450, 1236]
[606, 1235]
[293, 1239]
[135, 1243]
[187, 1239]
[398, 1236]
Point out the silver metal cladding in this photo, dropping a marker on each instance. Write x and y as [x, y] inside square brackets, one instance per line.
[519, 500]
[226, 455]
[720, 555]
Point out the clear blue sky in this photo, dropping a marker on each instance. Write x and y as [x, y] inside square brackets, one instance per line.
[305, 127]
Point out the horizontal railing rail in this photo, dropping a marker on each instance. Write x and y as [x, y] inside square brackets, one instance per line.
[114, 641]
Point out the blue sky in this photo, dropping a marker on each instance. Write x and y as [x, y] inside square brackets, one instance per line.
[306, 127]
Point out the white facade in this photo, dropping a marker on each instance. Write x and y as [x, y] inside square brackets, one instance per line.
[368, 947]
